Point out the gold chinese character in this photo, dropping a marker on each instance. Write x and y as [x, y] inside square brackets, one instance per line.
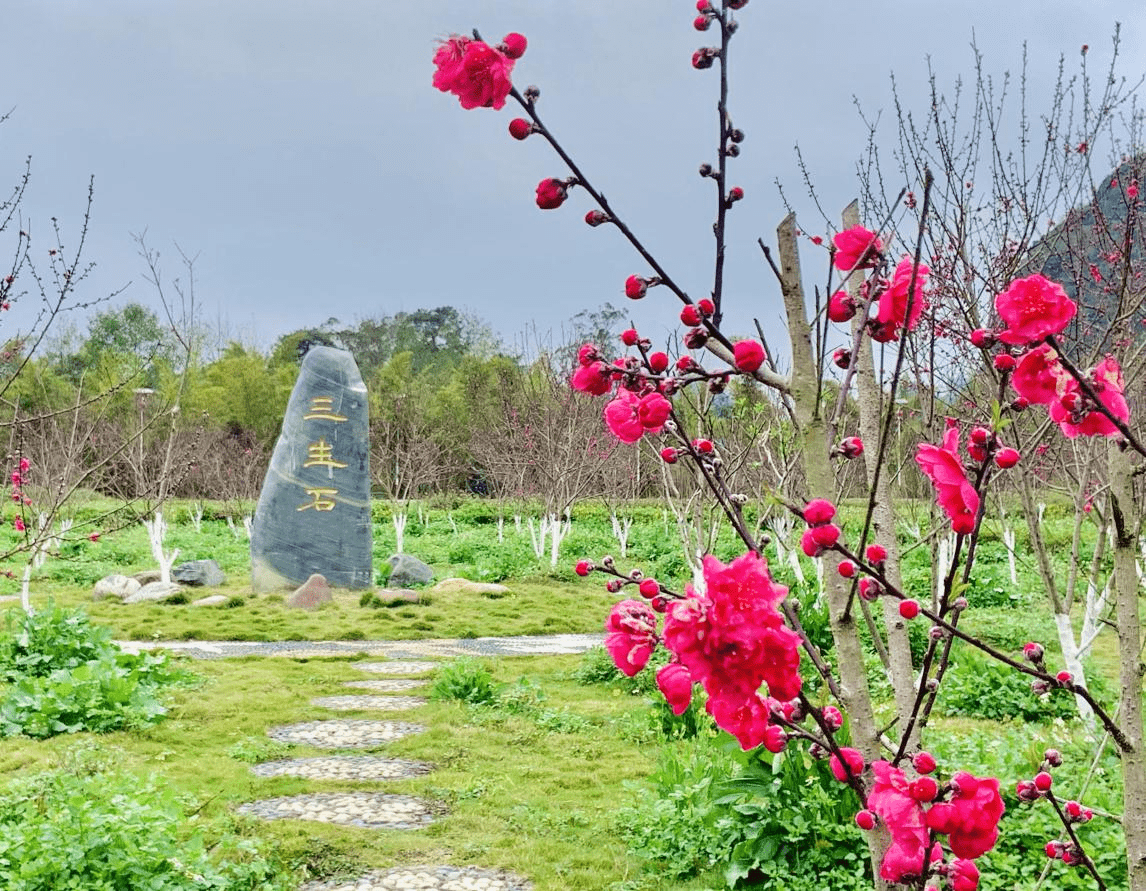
[321, 454]
[322, 500]
[322, 408]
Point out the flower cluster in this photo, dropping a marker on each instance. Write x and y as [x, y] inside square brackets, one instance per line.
[956, 495]
[1041, 379]
[475, 72]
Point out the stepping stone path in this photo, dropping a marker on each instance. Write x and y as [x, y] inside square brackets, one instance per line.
[407, 667]
[377, 703]
[344, 734]
[344, 767]
[369, 810]
[430, 878]
[387, 685]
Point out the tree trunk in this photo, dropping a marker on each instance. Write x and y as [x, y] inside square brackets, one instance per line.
[1127, 520]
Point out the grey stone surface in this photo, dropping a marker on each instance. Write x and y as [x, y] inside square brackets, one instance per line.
[206, 573]
[396, 667]
[343, 767]
[147, 576]
[313, 514]
[398, 595]
[387, 685]
[312, 594]
[115, 586]
[155, 592]
[369, 703]
[465, 586]
[406, 570]
[344, 734]
[368, 810]
[212, 600]
[426, 878]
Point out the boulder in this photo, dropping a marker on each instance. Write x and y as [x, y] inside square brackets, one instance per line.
[393, 596]
[147, 576]
[406, 570]
[313, 515]
[117, 586]
[213, 600]
[465, 586]
[313, 593]
[205, 573]
[155, 592]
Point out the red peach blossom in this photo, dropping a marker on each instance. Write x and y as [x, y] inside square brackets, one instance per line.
[856, 248]
[622, 418]
[653, 411]
[630, 635]
[900, 306]
[891, 800]
[841, 307]
[854, 761]
[971, 817]
[1039, 377]
[594, 378]
[954, 491]
[1106, 380]
[474, 72]
[675, 684]
[1033, 308]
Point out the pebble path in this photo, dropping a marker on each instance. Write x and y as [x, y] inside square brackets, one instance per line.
[375, 810]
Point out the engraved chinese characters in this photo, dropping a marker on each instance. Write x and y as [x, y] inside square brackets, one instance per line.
[314, 510]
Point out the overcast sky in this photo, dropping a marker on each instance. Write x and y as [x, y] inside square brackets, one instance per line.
[298, 150]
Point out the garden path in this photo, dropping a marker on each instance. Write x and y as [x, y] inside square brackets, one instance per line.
[366, 809]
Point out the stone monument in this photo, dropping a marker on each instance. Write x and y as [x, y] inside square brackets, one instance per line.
[313, 514]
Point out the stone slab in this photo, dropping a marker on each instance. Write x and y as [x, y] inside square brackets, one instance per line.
[369, 703]
[344, 734]
[343, 767]
[367, 810]
[427, 878]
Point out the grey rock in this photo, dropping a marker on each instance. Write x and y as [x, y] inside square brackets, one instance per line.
[465, 586]
[213, 600]
[391, 596]
[117, 586]
[312, 594]
[204, 573]
[406, 570]
[313, 514]
[147, 576]
[155, 592]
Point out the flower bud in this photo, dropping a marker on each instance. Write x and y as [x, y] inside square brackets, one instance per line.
[1007, 458]
[875, 554]
[833, 719]
[869, 589]
[1053, 757]
[826, 536]
[923, 762]
[551, 193]
[1073, 809]
[658, 362]
[960, 604]
[1043, 781]
[819, 511]
[695, 338]
[748, 355]
[583, 568]
[1033, 652]
[635, 287]
[520, 128]
[734, 194]
[841, 307]
[865, 820]
[847, 569]
[701, 22]
[982, 338]
[629, 337]
[597, 217]
[923, 790]
[705, 306]
[704, 57]
[705, 169]
[937, 632]
[1025, 791]
[909, 609]
[685, 364]
[1064, 677]
[1021, 403]
[513, 45]
[607, 562]
[669, 455]
[1005, 362]
[851, 447]
[736, 135]
[649, 588]
[1039, 687]
[690, 315]
[613, 585]
[842, 358]
[704, 446]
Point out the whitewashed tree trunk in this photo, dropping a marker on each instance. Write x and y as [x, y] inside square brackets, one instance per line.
[1009, 541]
[621, 529]
[517, 523]
[156, 532]
[247, 521]
[197, 516]
[399, 518]
[558, 529]
[1072, 660]
[500, 530]
[450, 519]
[537, 535]
[25, 589]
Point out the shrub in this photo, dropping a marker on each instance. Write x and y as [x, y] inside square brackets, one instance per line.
[37, 644]
[464, 680]
[104, 831]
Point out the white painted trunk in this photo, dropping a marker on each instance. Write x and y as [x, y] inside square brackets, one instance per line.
[25, 591]
[1072, 660]
[621, 530]
[156, 532]
[500, 530]
[399, 519]
[1009, 541]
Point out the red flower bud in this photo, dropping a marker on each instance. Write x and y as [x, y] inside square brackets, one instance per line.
[1021, 403]
[701, 22]
[704, 57]
[583, 567]
[635, 287]
[685, 364]
[735, 194]
[982, 338]
[703, 6]
[748, 355]
[669, 455]
[1053, 757]
[869, 589]
[596, 218]
[706, 306]
[1064, 677]
[833, 719]
[704, 446]
[1006, 457]
[909, 609]
[1073, 809]
[923, 790]
[876, 553]
[851, 447]
[847, 569]
[520, 128]
[842, 358]
[841, 307]
[826, 536]
[923, 762]
[695, 338]
[865, 820]
[1033, 652]
[1043, 781]
[629, 337]
[649, 588]
[1005, 362]
[551, 194]
[819, 511]
[690, 315]
[513, 46]
[658, 362]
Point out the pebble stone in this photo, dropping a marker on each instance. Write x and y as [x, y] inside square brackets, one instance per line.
[344, 767]
[396, 667]
[368, 810]
[343, 734]
[427, 878]
[386, 685]
[376, 703]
